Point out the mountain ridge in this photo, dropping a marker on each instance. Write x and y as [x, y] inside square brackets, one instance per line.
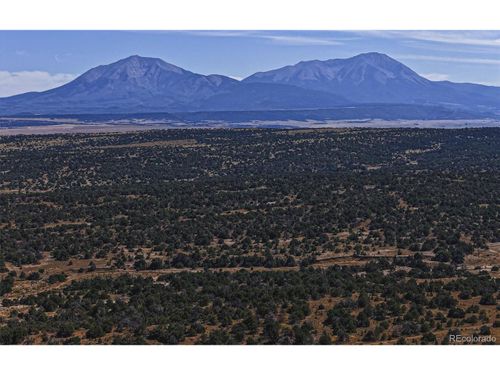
[149, 84]
[375, 77]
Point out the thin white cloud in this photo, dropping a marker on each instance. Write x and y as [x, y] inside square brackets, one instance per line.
[474, 38]
[295, 40]
[302, 40]
[453, 48]
[451, 59]
[469, 38]
[13, 83]
[436, 76]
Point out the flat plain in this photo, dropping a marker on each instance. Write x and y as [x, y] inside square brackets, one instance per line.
[75, 125]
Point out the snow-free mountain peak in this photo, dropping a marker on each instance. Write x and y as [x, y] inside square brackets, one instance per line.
[148, 84]
[367, 69]
[378, 78]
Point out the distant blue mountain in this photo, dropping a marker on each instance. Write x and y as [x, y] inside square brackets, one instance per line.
[267, 96]
[141, 84]
[378, 78]
[133, 84]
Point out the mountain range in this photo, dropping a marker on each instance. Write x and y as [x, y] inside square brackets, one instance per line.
[144, 84]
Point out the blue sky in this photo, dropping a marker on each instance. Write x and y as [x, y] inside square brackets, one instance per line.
[39, 60]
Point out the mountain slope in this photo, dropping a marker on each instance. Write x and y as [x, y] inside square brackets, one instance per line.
[132, 84]
[377, 78]
[266, 96]
[141, 84]
[145, 85]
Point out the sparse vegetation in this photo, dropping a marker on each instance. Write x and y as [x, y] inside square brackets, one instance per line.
[249, 236]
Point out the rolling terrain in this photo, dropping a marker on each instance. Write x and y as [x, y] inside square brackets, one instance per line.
[250, 236]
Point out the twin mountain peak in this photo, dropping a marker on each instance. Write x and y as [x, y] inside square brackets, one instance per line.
[145, 84]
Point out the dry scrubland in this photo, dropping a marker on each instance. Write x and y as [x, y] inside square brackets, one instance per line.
[250, 236]
[56, 125]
